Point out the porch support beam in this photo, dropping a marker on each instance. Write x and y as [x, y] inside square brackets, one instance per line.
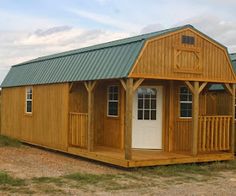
[171, 117]
[90, 85]
[137, 84]
[128, 118]
[123, 84]
[71, 86]
[202, 87]
[190, 86]
[130, 87]
[233, 142]
[195, 115]
[229, 88]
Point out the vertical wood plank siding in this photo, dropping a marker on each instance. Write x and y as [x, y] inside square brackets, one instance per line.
[108, 130]
[78, 129]
[48, 124]
[209, 62]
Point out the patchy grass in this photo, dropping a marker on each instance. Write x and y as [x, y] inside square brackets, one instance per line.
[133, 179]
[6, 141]
[5, 179]
[46, 180]
[85, 178]
[204, 169]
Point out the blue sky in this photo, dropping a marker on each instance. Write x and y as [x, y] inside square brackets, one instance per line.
[32, 28]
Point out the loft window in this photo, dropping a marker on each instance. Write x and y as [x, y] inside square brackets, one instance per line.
[29, 100]
[188, 40]
[113, 101]
[185, 97]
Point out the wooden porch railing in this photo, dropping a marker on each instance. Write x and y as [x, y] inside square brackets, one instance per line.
[214, 133]
[78, 126]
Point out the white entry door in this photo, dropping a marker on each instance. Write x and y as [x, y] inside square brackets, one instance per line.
[147, 118]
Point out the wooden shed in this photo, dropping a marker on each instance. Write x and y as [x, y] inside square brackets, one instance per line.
[139, 101]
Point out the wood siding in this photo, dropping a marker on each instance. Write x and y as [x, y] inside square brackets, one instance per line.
[48, 124]
[210, 103]
[78, 129]
[168, 58]
[108, 130]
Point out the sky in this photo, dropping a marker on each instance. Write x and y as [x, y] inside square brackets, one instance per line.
[33, 28]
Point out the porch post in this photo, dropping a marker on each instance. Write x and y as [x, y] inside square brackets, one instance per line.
[90, 89]
[128, 118]
[171, 118]
[196, 90]
[195, 115]
[233, 141]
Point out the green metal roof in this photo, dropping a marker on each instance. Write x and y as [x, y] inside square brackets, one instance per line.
[104, 61]
[233, 59]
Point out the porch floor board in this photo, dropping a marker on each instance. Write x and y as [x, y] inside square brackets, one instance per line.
[143, 158]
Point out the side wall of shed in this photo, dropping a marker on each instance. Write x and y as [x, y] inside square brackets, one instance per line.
[48, 124]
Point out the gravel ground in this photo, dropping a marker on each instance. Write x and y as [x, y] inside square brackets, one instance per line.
[29, 162]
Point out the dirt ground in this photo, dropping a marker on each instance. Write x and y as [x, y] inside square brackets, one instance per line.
[30, 162]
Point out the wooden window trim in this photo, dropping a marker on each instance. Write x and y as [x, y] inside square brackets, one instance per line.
[118, 102]
[26, 99]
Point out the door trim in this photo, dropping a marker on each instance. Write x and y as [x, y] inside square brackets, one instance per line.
[163, 115]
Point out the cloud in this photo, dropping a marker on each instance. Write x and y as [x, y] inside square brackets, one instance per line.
[221, 30]
[152, 28]
[17, 47]
[51, 31]
[105, 20]
[21, 21]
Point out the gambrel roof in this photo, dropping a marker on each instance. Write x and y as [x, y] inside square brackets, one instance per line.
[104, 61]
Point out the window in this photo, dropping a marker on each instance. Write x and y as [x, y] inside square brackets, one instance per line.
[113, 101]
[185, 97]
[188, 40]
[147, 98]
[29, 99]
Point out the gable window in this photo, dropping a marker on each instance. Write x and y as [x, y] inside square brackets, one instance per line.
[185, 97]
[29, 100]
[112, 101]
[188, 40]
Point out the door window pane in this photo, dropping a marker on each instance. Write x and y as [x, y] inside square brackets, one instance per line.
[153, 115]
[147, 103]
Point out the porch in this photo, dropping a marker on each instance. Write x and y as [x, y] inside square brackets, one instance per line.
[213, 145]
[202, 138]
[142, 158]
